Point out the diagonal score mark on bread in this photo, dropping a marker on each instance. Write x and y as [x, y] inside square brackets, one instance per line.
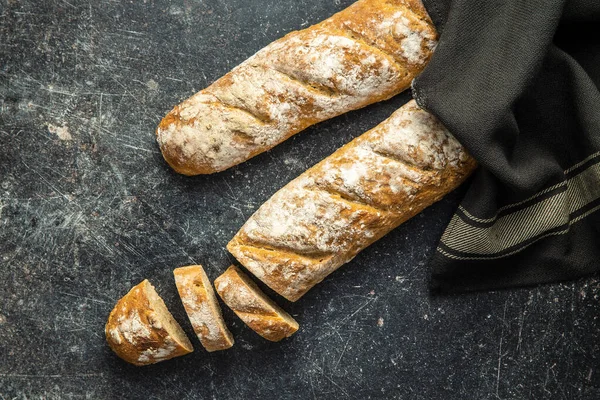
[366, 53]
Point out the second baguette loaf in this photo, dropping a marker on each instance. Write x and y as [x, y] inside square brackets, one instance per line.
[366, 53]
[323, 218]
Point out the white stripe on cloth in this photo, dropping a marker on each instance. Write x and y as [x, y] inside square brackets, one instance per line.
[508, 231]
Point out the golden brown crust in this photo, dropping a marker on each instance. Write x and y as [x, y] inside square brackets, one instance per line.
[323, 218]
[203, 310]
[366, 53]
[141, 331]
[253, 307]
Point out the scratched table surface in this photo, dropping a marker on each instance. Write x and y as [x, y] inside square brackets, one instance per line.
[88, 208]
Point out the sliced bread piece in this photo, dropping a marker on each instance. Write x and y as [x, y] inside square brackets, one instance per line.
[253, 307]
[141, 330]
[202, 307]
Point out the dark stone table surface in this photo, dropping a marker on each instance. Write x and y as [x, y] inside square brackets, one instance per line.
[88, 208]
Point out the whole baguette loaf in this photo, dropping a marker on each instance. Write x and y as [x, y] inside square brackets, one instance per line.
[323, 218]
[202, 307]
[253, 307]
[141, 330]
[366, 53]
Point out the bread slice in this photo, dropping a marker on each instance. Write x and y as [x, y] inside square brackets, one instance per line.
[253, 307]
[141, 330]
[202, 307]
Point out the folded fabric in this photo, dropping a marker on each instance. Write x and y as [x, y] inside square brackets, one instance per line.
[517, 83]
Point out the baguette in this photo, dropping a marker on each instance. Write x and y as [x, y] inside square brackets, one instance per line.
[253, 307]
[323, 218]
[366, 53]
[142, 331]
[202, 308]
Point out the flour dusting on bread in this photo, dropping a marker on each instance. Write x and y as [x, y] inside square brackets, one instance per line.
[323, 218]
[132, 327]
[159, 354]
[202, 307]
[253, 307]
[367, 53]
[142, 331]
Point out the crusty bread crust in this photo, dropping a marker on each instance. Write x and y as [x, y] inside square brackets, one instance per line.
[253, 307]
[202, 307]
[323, 218]
[141, 330]
[366, 53]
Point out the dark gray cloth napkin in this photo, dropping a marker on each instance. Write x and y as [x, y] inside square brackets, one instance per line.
[516, 81]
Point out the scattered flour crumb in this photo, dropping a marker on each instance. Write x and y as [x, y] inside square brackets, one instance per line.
[380, 322]
[152, 84]
[247, 346]
[61, 131]
[175, 10]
